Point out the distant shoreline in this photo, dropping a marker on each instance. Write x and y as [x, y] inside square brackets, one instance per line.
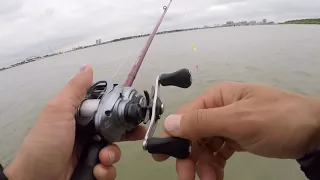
[32, 59]
[304, 21]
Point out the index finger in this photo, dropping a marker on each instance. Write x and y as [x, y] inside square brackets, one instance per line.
[218, 96]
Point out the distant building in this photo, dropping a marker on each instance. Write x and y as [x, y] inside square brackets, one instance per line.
[264, 21]
[242, 23]
[32, 58]
[230, 23]
[98, 41]
[253, 23]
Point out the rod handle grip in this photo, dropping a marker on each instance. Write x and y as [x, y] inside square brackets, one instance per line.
[181, 78]
[88, 160]
[172, 146]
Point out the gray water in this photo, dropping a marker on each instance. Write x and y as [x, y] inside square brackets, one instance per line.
[285, 56]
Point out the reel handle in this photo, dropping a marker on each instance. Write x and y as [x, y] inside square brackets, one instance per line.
[88, 160]
[172, 146]
[181, 78]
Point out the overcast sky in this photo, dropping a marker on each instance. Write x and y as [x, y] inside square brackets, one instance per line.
[28, 27]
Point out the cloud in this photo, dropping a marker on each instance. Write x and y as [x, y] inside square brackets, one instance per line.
[29, 27]
[8, 7]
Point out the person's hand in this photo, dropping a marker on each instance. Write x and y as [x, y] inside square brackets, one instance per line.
[261, 120]
[48, 152]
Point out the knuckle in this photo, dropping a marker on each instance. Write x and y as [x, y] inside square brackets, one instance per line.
[202, 116]
[229, 84]
[58, 109]
[57, 105]
[52, 106]
[101, 172]
[111, 173]
[222, 86]
[225, 83]
[160, 157]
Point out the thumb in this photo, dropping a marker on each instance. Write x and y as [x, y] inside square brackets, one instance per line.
[76, 89]
[203, 123]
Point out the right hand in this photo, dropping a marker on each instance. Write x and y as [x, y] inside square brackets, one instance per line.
[261, 120]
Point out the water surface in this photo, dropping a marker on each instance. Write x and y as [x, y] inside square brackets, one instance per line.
[285, 56]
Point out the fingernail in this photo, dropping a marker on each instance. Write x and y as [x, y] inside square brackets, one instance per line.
[172, 123]
[112, 156]
[83, 67]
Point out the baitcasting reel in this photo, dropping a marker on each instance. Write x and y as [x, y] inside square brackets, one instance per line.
[110, 111]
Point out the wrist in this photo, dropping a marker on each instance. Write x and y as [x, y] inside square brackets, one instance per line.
[313, 143]
[316, 139]
[10, 173]
[16, 171]
[317, 114]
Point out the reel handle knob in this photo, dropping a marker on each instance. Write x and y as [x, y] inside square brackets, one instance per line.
[181, 78]
[172, 146]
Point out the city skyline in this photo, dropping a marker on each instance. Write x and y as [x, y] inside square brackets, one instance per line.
[246, 23]
[231, 23]
[65, 24]
[100, 42]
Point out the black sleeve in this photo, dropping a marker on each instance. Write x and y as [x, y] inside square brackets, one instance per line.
[310, 165]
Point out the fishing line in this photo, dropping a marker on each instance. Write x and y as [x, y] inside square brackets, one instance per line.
[136, 67]
[197, 71]
[136, 60]
[124, 61]
[120, 67]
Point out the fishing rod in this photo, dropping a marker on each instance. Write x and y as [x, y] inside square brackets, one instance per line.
[111, 111]
[132, 75]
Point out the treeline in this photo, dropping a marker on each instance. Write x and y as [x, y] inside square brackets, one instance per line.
[145, 35]
[126, 38]
[106, 42]
[134, 37]
[304, 21]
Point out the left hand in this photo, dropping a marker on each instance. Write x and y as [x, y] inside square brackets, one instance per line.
[209, 155]
[48, 150]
